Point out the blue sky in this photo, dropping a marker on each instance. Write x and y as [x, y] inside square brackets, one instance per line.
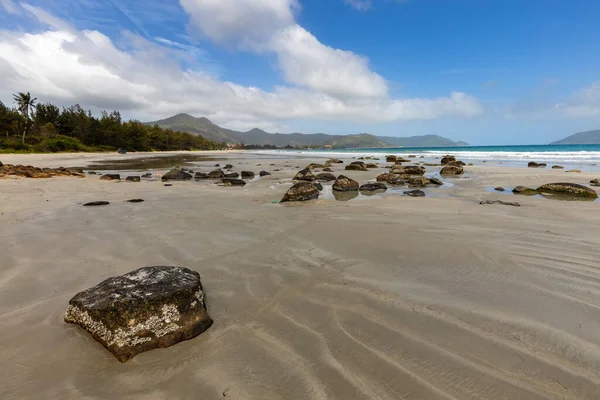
[483, 71]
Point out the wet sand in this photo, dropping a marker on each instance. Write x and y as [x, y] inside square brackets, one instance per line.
[384, 298]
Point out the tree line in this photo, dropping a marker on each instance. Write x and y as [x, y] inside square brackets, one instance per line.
[44, 127]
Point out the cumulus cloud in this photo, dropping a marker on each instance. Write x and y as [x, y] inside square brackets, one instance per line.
[146, 79]
[585, 103]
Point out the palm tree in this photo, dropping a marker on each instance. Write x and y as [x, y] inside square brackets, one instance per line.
[24, 104]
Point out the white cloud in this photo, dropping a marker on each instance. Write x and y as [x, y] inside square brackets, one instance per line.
[148, 82]
[9, 6]
[360, 5]
[584, 104]
[47, 18]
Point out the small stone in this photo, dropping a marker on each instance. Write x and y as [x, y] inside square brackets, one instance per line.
[110, 177]
[315, 166]
[524, 191]
[96, 203]
[200, 175]
[318, 185]
[436, 181]
[247, 174]
[264, 173]
[414, 193]
[574, 170]
[176, 175]
[358, 166]
[147, 175]
[371, 187]
[371, 166]
[232, 175]
[325, 176]
[334, 161]
[92, 173]
[168, 184]
[133, 179]
[499, 189]
[327, 169]
[558, 167]
[452, 170]
[135, 201]
[233, 182]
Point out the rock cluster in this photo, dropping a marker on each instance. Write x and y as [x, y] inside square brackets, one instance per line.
[28, 171]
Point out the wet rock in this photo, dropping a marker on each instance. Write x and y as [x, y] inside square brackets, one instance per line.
[301, 191]
[231, 175]
[524, 191]
[96, 203]
[391, 158]
[327, 169]
[371, 165]
[216, 174]
[533, 164]
[371, 187]
[325, 176]
[568, 189]
[452, 170]
[344, 196]
[217, 165]
[264, 173]
[574, 170]
[412, 156]
[233, 182]
[383, 177]
[247, 174]
[345, 184]
[110, 177]
[595, 182]
[200, 175]
[499, 189]
[147, 175]
[135, 201]
[149, 308]
[92, 173]
[436, 181]
[334, 161]
[408, 170]
[318, 185]
[356, 166]
[168, 184]
[447, 159]
[456, 163]
[176, 175]
[506, 203]
[558, 167]
[133, 179]
[304, 175]
[228, 166]
[414, 193]
[315, 166]
[418, 181]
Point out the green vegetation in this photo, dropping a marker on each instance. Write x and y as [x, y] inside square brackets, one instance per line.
[46, 128]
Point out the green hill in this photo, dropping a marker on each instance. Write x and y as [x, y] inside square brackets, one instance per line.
[588, 137]
[203, 126]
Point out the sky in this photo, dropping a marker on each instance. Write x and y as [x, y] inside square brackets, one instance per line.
[488, 72]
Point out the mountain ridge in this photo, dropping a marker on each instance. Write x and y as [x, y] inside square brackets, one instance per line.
[206, 128]
[587, 137]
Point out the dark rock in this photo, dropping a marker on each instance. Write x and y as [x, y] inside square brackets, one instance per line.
[304, 175]
[456, 163]
[247, 174]
[558, 167]
[96, 203]
[228, 166]
[360, 166]
[408, 170]
[506, 203]
[524, 191]
[264, 173]
[92, 173]
[233, 182]
[418, 181]
[595, 182]
[133, 179]
[135, 200]
[315, 166]
[301, 191]
[216, 174]
[176, 175]
[318, 185]
[110, 177]
[200, 175]
[231, 175]
[327, 169]
[533, 164]
[361, 158]
[325, 176]
[414, 193]
[383, 177]
[168, 184]
[357, 163]
[345, 184]
[217, 165]
[574, 170]
[334, 161]
[372, 165]
[149, 308]
[499, 189]
[147, 175]
[568, 189]
[452, 170]
[447, 159]
[412, 156]
[1, 165]
[390, 158]
[370, 187]
[436, 181]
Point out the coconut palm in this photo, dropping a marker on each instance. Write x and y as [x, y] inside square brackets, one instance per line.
[25, 105]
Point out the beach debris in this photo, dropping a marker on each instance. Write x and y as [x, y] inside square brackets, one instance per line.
[574, 170]
[248, 174]
[334, 161]
[325, 176]
[135, 200]
[506, 203]
[371, 187]
[568, 189]
[200, 175]
[356, 166]
[216, 174]
[533, 164]
[232, 182]
[301, 191]
[452, 170]
[524, 191]
[499, 189]
[372, 165]
[110, 177]
[414, 193]
[447, 159]
[149, 308]
[345, 184]
[133, 179]
[264, 173]
[96, 203]
[558, 167]
[315, 166]
[304, 175]
[176, 175]
[231, 175]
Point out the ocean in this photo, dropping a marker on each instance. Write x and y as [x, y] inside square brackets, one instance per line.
[586, 157]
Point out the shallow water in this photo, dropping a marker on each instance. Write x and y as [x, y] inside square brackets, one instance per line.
[556, 197]
[148, 163]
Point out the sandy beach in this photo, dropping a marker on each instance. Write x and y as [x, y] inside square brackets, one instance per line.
[386, 297]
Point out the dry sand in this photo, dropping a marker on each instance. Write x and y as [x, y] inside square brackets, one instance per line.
[385, 298]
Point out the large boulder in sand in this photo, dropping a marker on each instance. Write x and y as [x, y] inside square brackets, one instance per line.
[325, 177]
[301, 191]
[447, 159]
[356, 166]
[533, 164]
[419, 181]
[176, 175]
[371, 187]
[345, 184]
[408, 170]
[304, 175]
[247, 174]
[452, 170]
[568, 189]
[216, 174]
[145, 309]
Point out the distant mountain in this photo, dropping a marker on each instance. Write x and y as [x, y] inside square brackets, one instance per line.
[588, 137]
[203, 126]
